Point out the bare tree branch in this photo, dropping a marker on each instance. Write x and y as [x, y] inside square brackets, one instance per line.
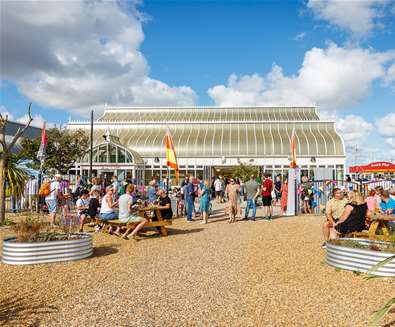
[20, 131]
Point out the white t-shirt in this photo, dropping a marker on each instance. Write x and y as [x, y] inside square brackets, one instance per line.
[218, 185]
[54, 186]
[123, 202]
[82, 203]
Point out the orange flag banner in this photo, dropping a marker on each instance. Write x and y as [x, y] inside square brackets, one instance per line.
[171, 157]
[293, 149]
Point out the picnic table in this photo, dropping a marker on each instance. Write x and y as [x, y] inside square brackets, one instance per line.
[143, 212]
[379, 222]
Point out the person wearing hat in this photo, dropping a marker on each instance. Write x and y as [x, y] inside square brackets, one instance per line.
[52, 198]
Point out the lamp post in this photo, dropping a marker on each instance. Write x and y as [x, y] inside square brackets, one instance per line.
[91, 149]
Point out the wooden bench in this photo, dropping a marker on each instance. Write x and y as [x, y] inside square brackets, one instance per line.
[161, 223]
[379, 221]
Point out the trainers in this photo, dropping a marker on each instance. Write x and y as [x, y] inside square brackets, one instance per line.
[323, 246]
[97, 228]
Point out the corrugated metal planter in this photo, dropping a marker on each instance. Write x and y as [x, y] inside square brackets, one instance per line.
[15, 253]
[360, 260]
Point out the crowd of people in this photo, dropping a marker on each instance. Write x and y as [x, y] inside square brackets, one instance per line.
[348, 212]
[109, 199]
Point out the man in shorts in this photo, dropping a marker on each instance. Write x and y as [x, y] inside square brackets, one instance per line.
[267, 188]
[334, 210]
[52, 198]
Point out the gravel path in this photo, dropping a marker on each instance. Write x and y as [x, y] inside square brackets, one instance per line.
[220, 274]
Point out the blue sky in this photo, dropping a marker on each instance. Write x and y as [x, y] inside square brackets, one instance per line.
[67, 58]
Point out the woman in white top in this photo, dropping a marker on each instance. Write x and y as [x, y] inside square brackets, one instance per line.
[107, 211]
[129, 214]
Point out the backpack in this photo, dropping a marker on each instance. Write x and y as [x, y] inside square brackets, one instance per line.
[45, 189]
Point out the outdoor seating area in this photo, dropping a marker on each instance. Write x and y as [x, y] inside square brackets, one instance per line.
[199, 275]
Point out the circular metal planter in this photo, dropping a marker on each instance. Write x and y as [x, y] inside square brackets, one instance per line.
[46, 252]
[360, 260]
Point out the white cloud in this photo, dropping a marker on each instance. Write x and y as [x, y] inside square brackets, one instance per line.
[386, 125]
[354, 129]
[390, 76]
[37, 121]
[358, 17]
[333, 78]
[4, 112]
[81, 54]
[299, 36]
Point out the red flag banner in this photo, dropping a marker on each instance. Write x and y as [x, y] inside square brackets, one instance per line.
[43, 145]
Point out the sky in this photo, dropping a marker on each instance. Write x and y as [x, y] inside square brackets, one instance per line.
[70, 57]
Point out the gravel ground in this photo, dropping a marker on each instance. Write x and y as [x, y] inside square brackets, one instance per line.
[220, 274]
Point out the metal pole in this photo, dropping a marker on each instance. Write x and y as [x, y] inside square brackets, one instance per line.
[38, 198]
[91, 149]
[167, 181]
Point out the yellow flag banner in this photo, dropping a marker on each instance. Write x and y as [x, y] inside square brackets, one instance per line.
[171, 155]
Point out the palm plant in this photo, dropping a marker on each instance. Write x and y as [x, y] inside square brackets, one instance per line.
[15, 177]
[380, 314]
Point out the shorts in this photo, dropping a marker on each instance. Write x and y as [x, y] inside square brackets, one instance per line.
[131, 219]
[108, 216]
[344, 229]
[52, 205]
[266, 200]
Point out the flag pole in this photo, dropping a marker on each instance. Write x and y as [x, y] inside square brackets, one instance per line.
[167, 181]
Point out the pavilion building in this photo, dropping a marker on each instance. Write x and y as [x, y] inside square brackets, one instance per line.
[210, 140]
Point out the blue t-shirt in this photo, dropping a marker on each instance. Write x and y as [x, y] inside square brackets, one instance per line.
[152, 194]
[390, 205]
[189, 194]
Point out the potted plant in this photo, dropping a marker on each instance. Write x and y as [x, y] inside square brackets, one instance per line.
[35, 243]
[361, 255]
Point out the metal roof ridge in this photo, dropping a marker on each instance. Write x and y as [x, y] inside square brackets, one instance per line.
[112, 108]
[104, 122]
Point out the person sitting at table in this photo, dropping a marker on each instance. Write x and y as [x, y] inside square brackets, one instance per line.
[371, 201]
[82, 208]
[354, 215]
[387, 204]
[164, 205]
[128, 213]
[107, 211]
[334, 210]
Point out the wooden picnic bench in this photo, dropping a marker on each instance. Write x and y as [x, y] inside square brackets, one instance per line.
[379, 222]
[160, 223]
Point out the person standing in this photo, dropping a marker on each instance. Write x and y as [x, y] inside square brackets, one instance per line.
[218, 189]
[251, 189]
[32, 191]
[52, 198]
[152, 192]
[204, 193]
[267, 188]
[115, 186]
[277, 188]
[232, 192]
[284, 197]
[189, 197]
